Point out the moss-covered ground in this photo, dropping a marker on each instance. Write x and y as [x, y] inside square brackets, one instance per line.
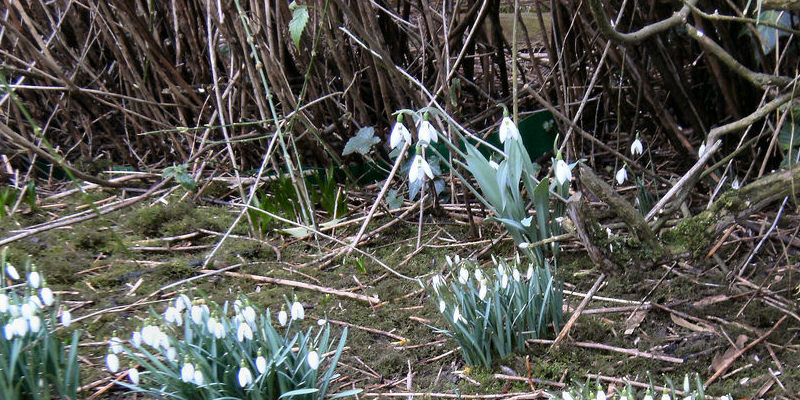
[111, 270]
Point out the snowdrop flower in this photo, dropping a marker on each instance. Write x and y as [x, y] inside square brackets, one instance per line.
[563, 173]
[114, 344]
[172, 354]
[437, 282]
[150, 335]
[508, 130]
[3, 303]
[601, 395]
[66, 318]
[218, 330]
[442, 306]
[187, 371]
[494, 165]
[503, 280]
[261, 363]
[8, 331]
[47, 295]
[282, 317]
[198, 378]
[136, 338]
[35, 323]
[622, 175]
[457, 316]
[636, 147]
[665, 395]
[736, 185]
[112, 362]
[35, 302]
[133, 375]
[478, 275]
[249, 314]
[399, 133]
[648, 395]
[313, 359]
[426, 133]
[529, 273]
[197, 314]
[449, 260]
[212, 322]
[182, 302]
[297, 311]
[463, 276]
[482, 290]
[702, 149]
[322, 322]
[27, 310]
[515, 274]
[12, 272]
[566, 396]
[173, 316]
[245, 376]
[244, 332]
[419, 168]
[34, 279]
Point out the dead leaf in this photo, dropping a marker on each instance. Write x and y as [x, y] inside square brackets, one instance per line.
[722, 359]
[688, 325]
[710, 300]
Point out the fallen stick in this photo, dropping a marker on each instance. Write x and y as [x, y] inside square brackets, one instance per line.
[364, 328]
[287, 282]
[599, 346]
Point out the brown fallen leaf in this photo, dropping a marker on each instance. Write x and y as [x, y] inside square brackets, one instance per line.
[721, 359]
[634, 321]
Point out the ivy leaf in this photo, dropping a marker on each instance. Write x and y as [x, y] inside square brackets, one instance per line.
[298, 23]
[181, 175]
[362, 142]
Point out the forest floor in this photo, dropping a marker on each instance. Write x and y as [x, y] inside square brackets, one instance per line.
[113, 269]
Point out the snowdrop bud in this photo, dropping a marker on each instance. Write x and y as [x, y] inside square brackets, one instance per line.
[702, 149]
[198, 378]
[297, 311]
[47, 296]
[282, 317]
[529, 273]
[563, 173]
[261, 363]
[112, 362]
[187, 371]
[322, 322]
[245, 376]
[478, 275]
[197, 314]
[34, 279]
[622, 175]
[503, 280]
[482, 290]
[636, 147]
[133, 375]
[313, 359]
[36, 323]
[515, 274]
[457, 315]
[249, 314]
[442, 306]
[66, 318]
[494, 165]
[463, 276]
[12, 272]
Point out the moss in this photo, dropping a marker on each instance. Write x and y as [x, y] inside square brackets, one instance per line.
[691, 234]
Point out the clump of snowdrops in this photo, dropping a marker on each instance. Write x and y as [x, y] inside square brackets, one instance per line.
[197, 350]
[594, 391]
[492, 312]
[34, 362]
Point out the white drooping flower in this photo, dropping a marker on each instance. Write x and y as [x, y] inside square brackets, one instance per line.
[463, 276]
[437, 282]
[426, 133]
[198, 378]
[419, 168]
[150, 334]
[245, 376]
[47, 296]
[636, 147]
[482, 290]
[244, 332]
[736, 185]
[34, 279]
[261, 363]
[702, 149]
[399, 133]
[249, 314]
[136, 337]
[20, 326]
[4, 302]
[313, 359]
[297, 311]
[478, 275]
[503, 280]
[648, 395]
[66, 318]
[172, 354]
[442, 306]
[12, 272]
[562, 172]
[601, 395]
[566, 396]
[133, 375]
[322, 322]
[8, 331]
[112, 362]
[197, 314]
[115, 345]
[182, 302]
[622, 175]
[187, 371]
[515, 274]
[282, 317]
[494, 165]
[27, 310]
[665, 395]
[173, 316]
[35, 323]
[508, 130]
[529, 273]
